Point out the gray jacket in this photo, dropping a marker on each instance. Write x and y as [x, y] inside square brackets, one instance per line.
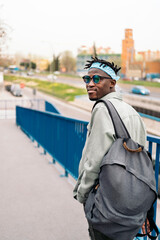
[100, 136]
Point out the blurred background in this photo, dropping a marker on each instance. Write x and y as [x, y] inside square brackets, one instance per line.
[49, 36]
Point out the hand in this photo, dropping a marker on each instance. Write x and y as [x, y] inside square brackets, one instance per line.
[144, 227]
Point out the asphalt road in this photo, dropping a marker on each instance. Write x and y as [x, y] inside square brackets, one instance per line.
[125, 88]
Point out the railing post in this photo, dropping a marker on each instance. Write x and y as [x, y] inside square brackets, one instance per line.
[53, 161]
[156, 176]
[157, 164]
[65, 174]
[150, 148]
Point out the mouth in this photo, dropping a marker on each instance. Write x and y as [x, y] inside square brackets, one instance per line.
[91, 91]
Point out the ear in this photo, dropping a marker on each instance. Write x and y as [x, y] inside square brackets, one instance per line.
[113, 83]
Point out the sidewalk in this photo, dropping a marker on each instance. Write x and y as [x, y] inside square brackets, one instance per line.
[36, 203]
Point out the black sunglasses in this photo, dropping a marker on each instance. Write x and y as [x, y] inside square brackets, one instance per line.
[96, 78]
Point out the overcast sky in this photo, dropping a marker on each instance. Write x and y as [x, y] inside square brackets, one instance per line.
[47, 27]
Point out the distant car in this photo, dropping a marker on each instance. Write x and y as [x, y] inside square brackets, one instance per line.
[8, 87]
[16, 90]
[23, 74]
[56, 72]
[30, 73]
[140, 90]
[156, 80]
[51, 77]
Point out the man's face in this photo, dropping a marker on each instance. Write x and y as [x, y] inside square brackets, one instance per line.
[105, 86]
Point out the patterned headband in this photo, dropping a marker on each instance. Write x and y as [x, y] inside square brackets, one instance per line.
[105, 69]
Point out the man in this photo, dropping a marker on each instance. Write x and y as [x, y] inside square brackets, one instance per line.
[100, 84]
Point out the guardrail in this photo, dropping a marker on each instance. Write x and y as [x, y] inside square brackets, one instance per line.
[63, 138]
[50, 108]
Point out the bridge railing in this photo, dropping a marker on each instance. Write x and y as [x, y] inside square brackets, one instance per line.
[50, 108]
[63, 138]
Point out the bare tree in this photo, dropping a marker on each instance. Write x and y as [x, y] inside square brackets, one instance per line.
[4, 33]
[68, 62]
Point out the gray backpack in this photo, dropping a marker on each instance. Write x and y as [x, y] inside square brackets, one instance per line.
[119, 202]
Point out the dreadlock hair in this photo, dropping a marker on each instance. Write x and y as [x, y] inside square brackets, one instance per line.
[104, 63]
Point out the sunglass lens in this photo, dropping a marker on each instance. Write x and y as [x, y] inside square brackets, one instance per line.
[86, 79]
[96, 79]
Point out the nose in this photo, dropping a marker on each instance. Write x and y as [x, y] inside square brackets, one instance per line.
[91, 83]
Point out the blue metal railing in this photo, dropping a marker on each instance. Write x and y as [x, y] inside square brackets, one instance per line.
[63, 138]
[50, 108]
[150, 117]
[153, 140]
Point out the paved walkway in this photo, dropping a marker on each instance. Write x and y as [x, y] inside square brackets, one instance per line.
[36, 203]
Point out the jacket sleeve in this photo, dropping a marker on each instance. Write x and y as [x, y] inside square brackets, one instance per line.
[100, 137]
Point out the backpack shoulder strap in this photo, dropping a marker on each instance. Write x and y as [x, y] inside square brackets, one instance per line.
[119, 127]
[154, 227]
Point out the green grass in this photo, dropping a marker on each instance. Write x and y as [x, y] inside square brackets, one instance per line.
[59, 90]
[64, 91]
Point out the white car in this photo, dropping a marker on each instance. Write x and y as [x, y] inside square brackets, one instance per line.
[16, 90]
[51, 77]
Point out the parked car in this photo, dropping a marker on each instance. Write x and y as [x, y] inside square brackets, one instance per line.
[16, 90]
[8, 87]
[23, 74]
[140, 90]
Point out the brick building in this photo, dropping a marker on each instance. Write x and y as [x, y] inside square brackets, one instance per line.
[140, 64]
[128, 51]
